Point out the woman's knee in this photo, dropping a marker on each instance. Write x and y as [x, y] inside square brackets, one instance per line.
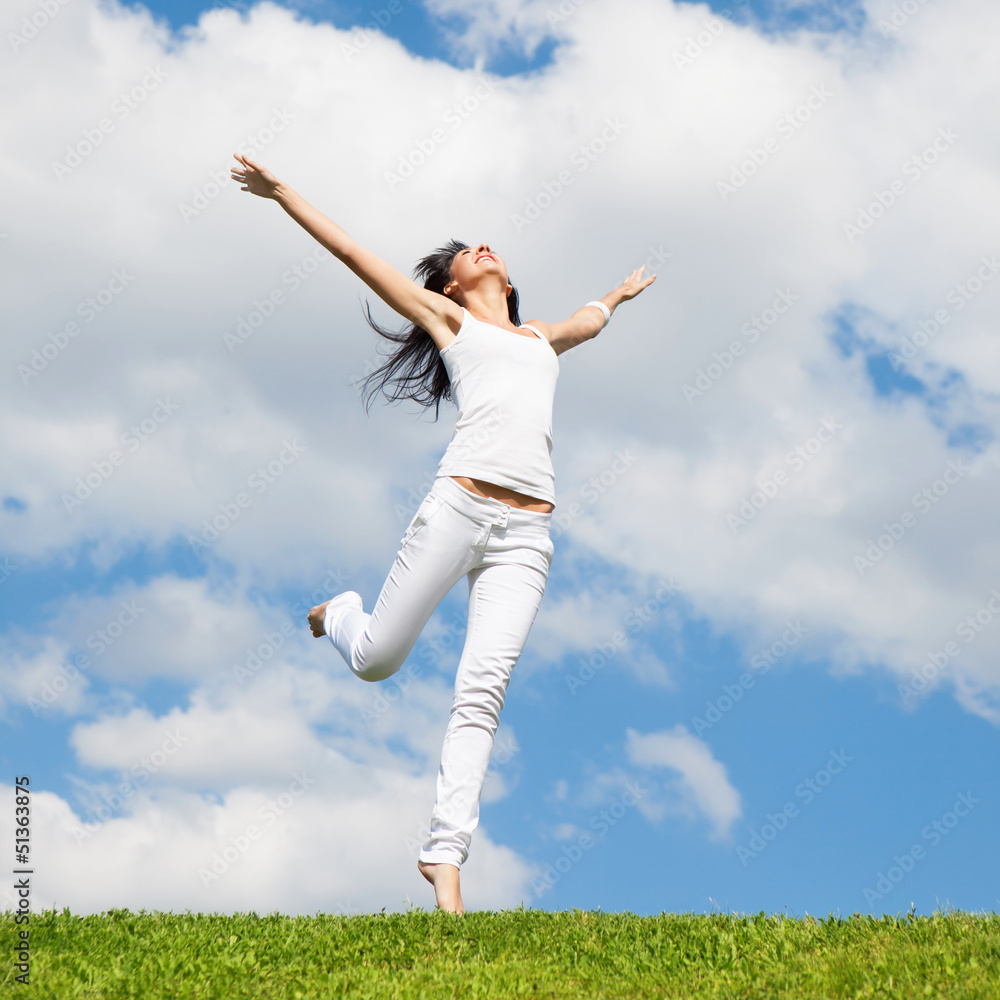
[376, 671]
[376, 665]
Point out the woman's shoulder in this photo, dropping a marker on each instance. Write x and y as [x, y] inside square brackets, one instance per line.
[541, 327]
[468, 320]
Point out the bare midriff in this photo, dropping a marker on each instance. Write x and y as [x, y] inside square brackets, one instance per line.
[510, 497]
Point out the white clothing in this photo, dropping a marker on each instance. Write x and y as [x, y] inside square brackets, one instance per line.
[504, 384]
[505, 554]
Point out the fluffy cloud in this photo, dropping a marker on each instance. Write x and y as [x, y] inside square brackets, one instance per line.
[701, 786]
[299, 844]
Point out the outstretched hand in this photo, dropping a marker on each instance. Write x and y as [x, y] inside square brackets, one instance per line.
[254, 178]
[634, 283]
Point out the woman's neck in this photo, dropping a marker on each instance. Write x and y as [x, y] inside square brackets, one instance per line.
[490, 307]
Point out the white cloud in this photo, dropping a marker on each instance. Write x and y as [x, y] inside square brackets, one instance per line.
[190, 782]
[490, 26]
[311, 848]
[41, 675]
[605, 623]
[577, 622]
[702, 784]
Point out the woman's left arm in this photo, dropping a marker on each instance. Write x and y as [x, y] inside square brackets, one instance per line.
[588, 321]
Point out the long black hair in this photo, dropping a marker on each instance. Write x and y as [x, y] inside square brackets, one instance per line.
[415, 369]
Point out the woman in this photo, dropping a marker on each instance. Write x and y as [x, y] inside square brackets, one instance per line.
[488, 511]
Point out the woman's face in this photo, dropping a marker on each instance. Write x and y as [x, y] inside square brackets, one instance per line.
[476, 264]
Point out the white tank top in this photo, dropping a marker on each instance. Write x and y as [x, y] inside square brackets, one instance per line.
[504, 384]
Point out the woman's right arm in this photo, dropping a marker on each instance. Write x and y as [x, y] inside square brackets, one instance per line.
[419, 305]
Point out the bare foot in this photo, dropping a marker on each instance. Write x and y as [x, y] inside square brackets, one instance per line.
[316, 618]
[444, 878]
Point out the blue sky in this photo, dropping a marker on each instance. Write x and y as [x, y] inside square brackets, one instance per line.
[423, 31]
[684, 710]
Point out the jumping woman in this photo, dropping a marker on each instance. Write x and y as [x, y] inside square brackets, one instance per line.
[487, 514]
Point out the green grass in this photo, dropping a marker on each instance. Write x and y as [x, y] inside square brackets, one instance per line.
[515, 953]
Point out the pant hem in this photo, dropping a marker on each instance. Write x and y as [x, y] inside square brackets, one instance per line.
[440, 859]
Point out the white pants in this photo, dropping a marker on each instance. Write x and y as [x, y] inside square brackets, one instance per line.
[506, 554]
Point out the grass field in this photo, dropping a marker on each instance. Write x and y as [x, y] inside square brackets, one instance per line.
[515, 953]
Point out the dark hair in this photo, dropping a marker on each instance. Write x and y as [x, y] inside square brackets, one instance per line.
[415, 369]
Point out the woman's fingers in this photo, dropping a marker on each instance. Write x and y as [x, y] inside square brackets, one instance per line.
[253, 177]
[635, 283]
[248, 166]
[259, 169]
